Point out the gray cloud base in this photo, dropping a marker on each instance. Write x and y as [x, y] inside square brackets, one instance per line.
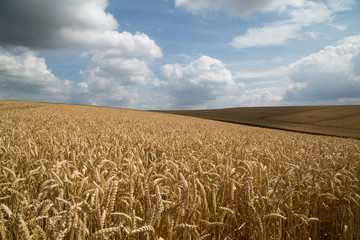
[52, 24]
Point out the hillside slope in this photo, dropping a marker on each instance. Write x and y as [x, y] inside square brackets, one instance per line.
[343, 121]
[83, 172]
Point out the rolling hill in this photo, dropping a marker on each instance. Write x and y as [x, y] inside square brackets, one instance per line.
[84, 172]
[342, 121]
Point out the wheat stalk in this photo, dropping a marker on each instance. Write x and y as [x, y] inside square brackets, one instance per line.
[81, 172]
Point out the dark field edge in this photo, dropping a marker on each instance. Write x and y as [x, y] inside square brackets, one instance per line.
[283, 129]
[259, 125]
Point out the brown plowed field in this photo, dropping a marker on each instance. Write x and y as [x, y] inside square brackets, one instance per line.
[343, 121]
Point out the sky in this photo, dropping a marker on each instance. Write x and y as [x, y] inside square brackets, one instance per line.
[181, 54]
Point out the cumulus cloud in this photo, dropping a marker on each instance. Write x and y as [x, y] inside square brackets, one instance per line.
[26, 76]
[114, 73]
[109, 80]
[330, 74]
[112, 80]
[119, 60]
[198, 82]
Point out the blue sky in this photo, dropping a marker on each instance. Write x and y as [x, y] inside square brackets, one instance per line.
[181, 54]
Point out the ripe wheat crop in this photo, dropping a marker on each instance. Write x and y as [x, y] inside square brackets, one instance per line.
[77, 172]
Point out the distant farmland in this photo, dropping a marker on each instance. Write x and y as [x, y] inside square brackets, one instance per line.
[343, 121]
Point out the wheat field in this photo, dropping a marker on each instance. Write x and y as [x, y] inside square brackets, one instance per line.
[80, 172]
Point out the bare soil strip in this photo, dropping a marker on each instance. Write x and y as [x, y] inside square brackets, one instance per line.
[341, 121]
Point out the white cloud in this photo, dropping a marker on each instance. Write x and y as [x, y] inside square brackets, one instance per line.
[124, 44]
[119, 60]
[341, 5]
[112, 80]
[114, 73]
[330, 74]
[26, 76]
[309, 13]
[266, 36]
[269, 96]
[199, 82]
[233, 7]
[109, 80]
[297, 8]
[122, 71]
[301, 14]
